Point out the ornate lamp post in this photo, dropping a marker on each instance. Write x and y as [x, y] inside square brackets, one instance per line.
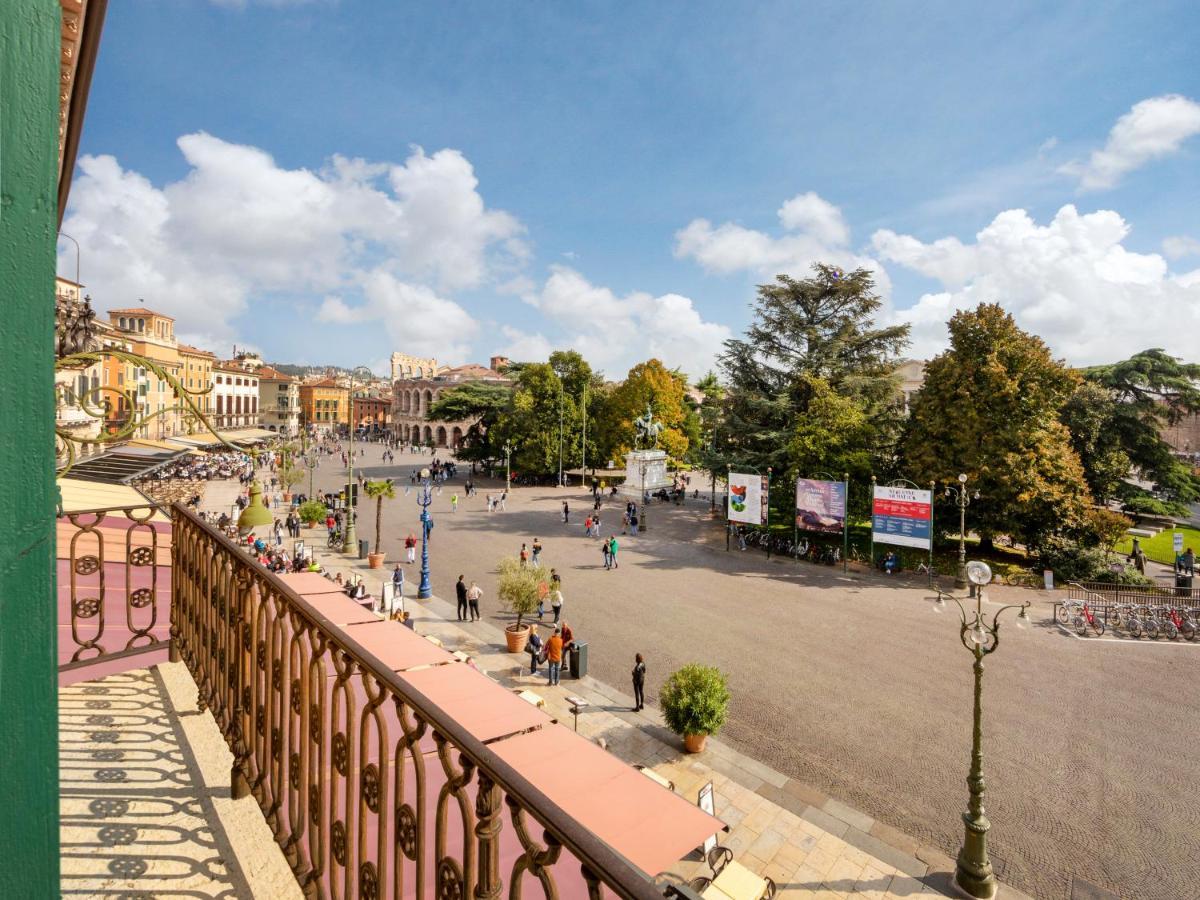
[507, 467]
[351, 545]
[963, 499]
[644, 505]
[424, 499]
[973, 872]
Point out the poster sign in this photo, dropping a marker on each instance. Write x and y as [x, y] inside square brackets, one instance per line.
[820, 505]
[1177, 541]
[902, 516]
[747, 498]
[706, 802]
[299, 551]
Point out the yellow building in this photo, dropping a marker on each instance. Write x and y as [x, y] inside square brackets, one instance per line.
[197, 366]
[324, 404]
[152, 335]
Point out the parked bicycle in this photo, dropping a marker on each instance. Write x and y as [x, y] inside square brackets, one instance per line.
[1026, 576]
[336, 541]
[1088, 620]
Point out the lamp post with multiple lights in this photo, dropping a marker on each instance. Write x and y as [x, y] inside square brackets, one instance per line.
[963, 499]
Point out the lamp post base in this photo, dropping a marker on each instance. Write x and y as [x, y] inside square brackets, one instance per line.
[351, 545]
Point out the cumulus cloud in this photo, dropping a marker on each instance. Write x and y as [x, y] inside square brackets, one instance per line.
[414, 316]
[1181, 246]
[238, 225]
[814, 230]
[1071, 281]
[1151, 129]
[615, 332]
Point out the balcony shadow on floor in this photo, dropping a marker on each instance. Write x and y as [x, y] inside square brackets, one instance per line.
[138, 806]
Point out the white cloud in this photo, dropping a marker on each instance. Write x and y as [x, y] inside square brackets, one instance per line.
[1152, 128]
[1180, 246]
[814, 230]
[238, 225]
[413, 315]
[1071, 281]
[614, 333]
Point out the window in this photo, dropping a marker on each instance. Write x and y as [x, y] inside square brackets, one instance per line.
[141, 323]
[124, 322]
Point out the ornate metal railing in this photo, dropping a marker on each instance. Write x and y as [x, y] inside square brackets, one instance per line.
[113, 583]
[334, 747]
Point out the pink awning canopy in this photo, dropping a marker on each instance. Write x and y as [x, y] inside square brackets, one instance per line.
[648, 824]
[487, 710]
[397, 647]
[329, 599]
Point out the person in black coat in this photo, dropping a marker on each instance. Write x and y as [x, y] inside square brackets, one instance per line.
[639, 683]
[460, 589]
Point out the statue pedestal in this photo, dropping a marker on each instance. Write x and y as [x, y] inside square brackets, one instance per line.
[655, 477]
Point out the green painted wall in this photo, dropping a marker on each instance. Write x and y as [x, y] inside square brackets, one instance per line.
[29, 54]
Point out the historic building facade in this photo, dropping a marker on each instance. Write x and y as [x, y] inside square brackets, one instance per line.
[413, 397]
[152, 335]
[235, 395]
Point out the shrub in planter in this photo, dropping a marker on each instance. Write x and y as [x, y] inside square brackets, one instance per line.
[1128, 575]
[695, 702]
[311, 512]
[1071, 562]
[519, 590]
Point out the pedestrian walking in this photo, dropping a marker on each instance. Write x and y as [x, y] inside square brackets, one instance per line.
[537, 553]
[534, 648]
[398, 582]
[604, 548]
[410, 547]
[454, 503]
[490, 502]
[554, 656]
[587, 527]
[474, 592]
[566, 512]
[613, 547]
[556, 604]
[503, 500]
[639, 683]
[523, 556]
[633, 525]
[460, 588]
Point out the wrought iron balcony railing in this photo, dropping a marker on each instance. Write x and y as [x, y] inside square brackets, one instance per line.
[334, 747]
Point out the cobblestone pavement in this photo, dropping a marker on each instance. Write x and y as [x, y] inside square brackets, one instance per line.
[853, 685]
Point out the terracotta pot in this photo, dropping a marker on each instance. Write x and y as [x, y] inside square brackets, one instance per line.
[375, 560]
[287, 497]
[516, 637]
[694, 743]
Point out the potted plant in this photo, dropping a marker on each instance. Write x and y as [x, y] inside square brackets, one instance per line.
[695, 702]
[520, 588]
[380, 491]
[311, 512]
[288, 476]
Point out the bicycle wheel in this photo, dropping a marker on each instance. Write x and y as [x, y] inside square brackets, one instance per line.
[1097, 626]
[1080, 625]
[1150, 627]
[1170, 632]
[1187, 630]
[1134, 628]
[1063, 615]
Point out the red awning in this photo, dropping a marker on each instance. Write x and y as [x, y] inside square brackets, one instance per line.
[487, 710]
[651, 826]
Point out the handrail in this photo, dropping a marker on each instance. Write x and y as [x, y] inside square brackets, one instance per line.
[201, 637]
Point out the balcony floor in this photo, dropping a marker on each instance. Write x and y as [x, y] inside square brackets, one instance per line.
[145, 806]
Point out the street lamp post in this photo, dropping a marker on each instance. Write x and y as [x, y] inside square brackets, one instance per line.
[973, 872]
[351, 548]
[560, 434]
[507, 467]
[424, 499]
[963, 499]
[644, 504]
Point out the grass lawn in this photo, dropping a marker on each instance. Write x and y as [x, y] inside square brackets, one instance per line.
[1160, 548]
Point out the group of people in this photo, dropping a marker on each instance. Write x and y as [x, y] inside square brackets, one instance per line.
[551, 651]
[468, 600]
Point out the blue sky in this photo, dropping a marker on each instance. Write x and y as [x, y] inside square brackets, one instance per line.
[611, 176]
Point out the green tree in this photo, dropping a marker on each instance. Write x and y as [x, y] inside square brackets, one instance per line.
[832, 434]
[990, 408]
[810, 335]
[1149, 390]
[480, 402]
[648, 384]
[1090, 415]
[380, 491]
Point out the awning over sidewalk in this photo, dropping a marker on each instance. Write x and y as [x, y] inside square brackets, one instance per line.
[78, 495]
[648, 824]
[125, 464]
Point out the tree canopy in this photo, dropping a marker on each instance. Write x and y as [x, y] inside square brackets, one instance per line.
[990, 409]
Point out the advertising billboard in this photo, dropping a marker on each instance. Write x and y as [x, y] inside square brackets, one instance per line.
[820, 505]
[902, 516]
[747, 498]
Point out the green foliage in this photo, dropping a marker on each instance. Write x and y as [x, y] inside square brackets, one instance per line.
[290, 475]
[695, 700]
[480, 402]
[1138, 502]
[379, 491]
[1161, 547]
[818, 331]
[1126, 575]
[1103, 528]
[649, 383]
[521, 587]
[832, 435]
[311, 512]
[990, 409]
[1090, 415]
[1072, 562]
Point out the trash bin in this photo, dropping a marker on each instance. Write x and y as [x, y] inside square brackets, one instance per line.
[1183, 584]
[578, 659]
[364, 547]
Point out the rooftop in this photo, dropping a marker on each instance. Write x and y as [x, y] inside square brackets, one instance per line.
[139, 310]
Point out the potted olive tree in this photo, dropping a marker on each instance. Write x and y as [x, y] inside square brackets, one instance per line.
[288, 476]
[520, 588]
[695, 701]
[311, 512]
[380, 491]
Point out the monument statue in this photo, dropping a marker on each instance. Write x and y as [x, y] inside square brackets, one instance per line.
[647, 428]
